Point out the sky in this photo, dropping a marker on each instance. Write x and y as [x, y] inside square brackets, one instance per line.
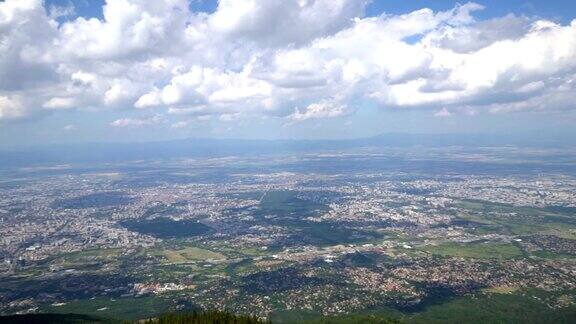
[138, 70]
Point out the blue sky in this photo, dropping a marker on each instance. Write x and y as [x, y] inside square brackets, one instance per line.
[279, 69]
[560, 10]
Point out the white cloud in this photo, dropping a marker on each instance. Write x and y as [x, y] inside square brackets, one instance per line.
[151, 99]
[133, 122]
[470, 38]
[292, 59]
[201, 86]
[130, 28]
[180, 125]
[26, 34]
[83, 78]
[229, 117]
[70, 128]
[121, 91]
[56, 12]
[281, 22]
[443, 113]
[59, 103]
[11, 108]
[323, 109]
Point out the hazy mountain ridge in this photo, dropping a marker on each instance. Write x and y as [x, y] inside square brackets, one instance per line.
[205, 147]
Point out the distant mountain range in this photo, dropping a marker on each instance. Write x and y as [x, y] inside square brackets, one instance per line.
[207, 147]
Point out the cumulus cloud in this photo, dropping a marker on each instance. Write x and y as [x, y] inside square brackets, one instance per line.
[26, 33]
[11, 108]
[131, 28]
[323, 109]
[474, 37]
[281, 22]
[292, 59]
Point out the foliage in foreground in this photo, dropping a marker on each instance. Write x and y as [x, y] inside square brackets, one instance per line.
[49, 319]
[212, 317]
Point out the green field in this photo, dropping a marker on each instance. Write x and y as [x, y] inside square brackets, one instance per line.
[190, 254]
[481, 250]
[518, 220]
[88, 256]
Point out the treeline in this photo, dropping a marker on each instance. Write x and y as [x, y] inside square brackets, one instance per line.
[211, 317]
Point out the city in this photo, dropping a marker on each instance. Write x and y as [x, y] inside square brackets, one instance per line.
[273, 235]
